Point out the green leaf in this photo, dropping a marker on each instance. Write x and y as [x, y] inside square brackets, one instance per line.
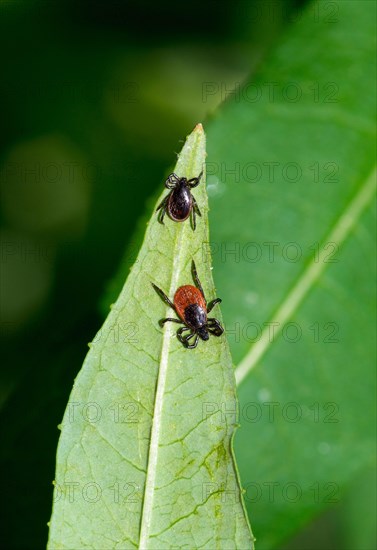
[291, 184]
[144, 458]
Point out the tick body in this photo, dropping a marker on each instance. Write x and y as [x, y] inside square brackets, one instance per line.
[180, 202]
[191, 307]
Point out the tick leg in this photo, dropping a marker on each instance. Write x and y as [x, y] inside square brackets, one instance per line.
[163, 202]
[162, 215]
[172, 181]
[214, 332]
[194, 344]
[214, 323]
[214, 327]
[193, 219]
[195, 210]
[196, 279]
[194, 182]
[180, 332]
[163, 296]
[163, 206]
[195, 206]
[212, 304]
[163, 321]
[185, 339]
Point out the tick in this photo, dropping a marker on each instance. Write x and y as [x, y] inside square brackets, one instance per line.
[191, 307]
[180, 202]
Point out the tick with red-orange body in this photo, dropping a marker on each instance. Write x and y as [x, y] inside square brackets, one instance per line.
[191, 307]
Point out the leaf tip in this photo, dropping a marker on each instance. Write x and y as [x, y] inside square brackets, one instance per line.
[199, 128]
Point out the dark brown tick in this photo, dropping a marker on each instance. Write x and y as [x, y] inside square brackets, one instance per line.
[191, 307]
[180, 203]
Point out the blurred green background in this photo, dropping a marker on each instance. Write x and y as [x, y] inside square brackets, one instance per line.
[95, 101]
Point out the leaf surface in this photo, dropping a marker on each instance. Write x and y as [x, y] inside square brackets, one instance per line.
[144, 458]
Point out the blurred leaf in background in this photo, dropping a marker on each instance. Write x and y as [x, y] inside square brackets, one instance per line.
[103, 94]
[292, 197]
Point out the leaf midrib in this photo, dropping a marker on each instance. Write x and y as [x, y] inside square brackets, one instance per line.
[157, 411]
[148, 496]
[339, 233]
